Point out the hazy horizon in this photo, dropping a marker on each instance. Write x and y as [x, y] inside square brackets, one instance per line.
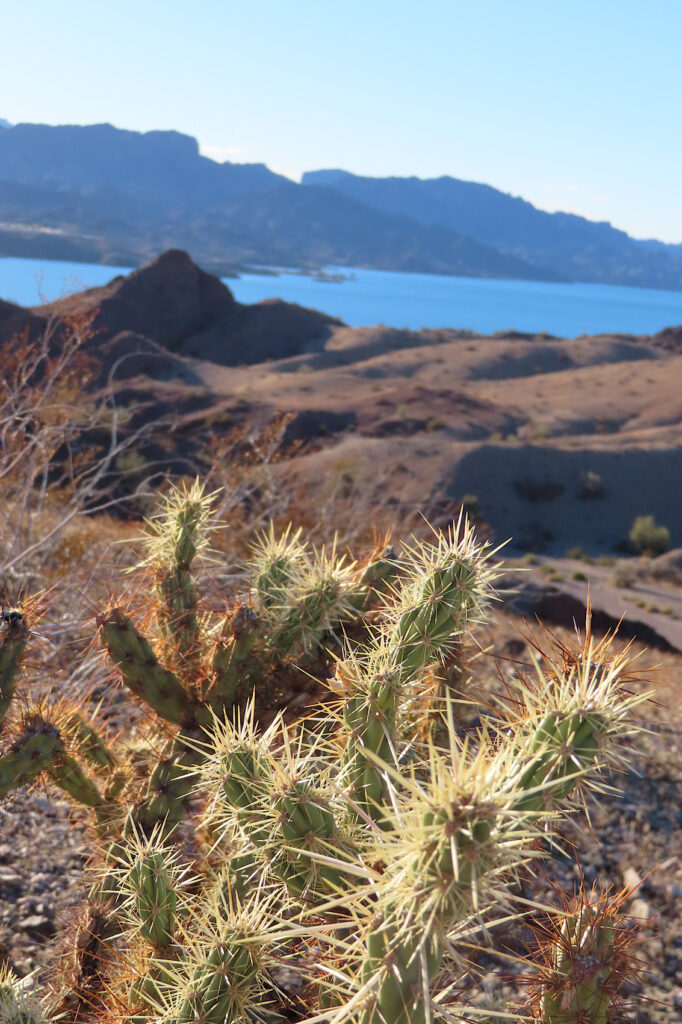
[572, 108]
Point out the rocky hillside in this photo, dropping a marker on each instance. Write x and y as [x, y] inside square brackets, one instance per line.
[562, 442]
[100, 194]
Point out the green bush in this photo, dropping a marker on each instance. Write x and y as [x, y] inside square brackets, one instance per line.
[648, 538]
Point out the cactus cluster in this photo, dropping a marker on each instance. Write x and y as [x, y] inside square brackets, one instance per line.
[334, 869]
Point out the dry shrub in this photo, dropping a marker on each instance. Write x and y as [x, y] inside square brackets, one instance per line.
[60, 439]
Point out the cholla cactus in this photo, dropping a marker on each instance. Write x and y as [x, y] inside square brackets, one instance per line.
[584, 954]
[18, 1002]
[358, 849]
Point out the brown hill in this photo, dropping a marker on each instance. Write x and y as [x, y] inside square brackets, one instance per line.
[562, 442]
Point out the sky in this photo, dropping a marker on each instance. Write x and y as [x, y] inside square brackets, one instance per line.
[572, 104]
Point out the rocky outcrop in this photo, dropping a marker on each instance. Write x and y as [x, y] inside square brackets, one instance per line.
[172, 306]
[669, 339]
[167, 301]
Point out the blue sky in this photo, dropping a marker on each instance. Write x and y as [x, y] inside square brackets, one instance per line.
[573, 105]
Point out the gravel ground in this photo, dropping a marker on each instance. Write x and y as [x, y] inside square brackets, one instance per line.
[43, 851]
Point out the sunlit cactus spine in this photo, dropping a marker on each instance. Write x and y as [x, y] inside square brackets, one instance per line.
[224, 980]
[18, 1004]
[456, 851]
[446, 588]
[584, 956]
[281, 795]
[150, 881]
[298, 597]
[276, 562]
[173, 541]
[234, 672]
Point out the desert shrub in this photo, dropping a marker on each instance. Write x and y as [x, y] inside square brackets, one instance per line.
[576, 553]
[648, 538]
[63, 443]
[624, 576]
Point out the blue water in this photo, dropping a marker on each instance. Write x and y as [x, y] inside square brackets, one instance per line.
[30, 282]
[402, 300]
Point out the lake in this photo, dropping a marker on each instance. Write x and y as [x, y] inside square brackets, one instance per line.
[402, 300]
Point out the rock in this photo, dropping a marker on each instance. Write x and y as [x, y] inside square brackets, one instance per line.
[631, 878]
[640, 909]
[9, 877]
[38, 925]
[41, 803]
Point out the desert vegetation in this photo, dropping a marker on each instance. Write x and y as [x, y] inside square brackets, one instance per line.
[304, 786]
[360, 850]
[648, 538]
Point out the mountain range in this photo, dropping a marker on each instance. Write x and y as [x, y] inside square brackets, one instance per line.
[101, 194]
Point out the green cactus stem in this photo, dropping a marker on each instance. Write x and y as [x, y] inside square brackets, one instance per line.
[311, 608]
[66, 773]
[371, 690]
[175, 537]
[234, 670]
[155, 896]
[141, 671]
[562, 748]
[227, 966]
[35, 749]
[277, 562]
[373, 579]
[585, 954]
[305, 825]
[90, 744]
[13, 639]
[169, 786]
[216, 993]
[453, 845]
[449, 586]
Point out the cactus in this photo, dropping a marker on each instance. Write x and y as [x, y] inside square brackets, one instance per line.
[359, 848]
[584, 954]
[14, 639]
[18, 1004]
[149, 877]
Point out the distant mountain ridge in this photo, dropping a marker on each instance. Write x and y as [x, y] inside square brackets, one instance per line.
[117, 196]
[576, 248]
[155, 166]
[103, 194]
